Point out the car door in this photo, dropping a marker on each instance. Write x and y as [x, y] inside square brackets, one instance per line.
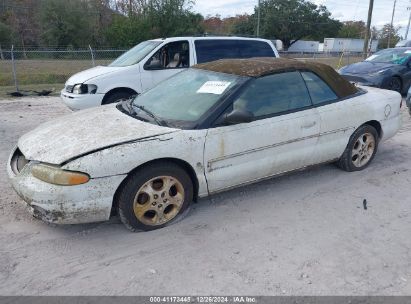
[170, 59]
[338, 119]
[282, 137]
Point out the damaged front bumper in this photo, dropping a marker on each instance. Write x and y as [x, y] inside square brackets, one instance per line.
[81, 101]
[85, 203]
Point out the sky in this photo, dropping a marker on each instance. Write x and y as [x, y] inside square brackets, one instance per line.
[342, 10]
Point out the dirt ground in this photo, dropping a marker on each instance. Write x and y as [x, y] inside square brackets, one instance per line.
[302, 234]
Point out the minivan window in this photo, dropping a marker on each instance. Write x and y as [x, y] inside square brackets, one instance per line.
[136, 54]
[215, 49]
[173, 55]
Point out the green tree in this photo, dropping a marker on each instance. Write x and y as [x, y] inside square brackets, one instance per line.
[69, 23]
[290, 21]
[5, 35]
[385, 32]
[20, 16]
[352, 29]
[153, 19]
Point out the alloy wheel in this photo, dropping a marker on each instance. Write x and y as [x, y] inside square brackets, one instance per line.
[159, 200]
[363, 150]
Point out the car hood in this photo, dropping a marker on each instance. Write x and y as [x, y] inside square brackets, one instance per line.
[89, 74]
[82, 132]
[366, 67]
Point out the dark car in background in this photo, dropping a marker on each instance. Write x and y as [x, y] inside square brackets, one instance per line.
[387, 69]
[403, 43]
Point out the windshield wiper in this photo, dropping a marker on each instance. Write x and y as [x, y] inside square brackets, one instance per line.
[126, 105]
[158, 120]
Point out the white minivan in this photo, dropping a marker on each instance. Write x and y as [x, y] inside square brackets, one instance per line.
[152, 61]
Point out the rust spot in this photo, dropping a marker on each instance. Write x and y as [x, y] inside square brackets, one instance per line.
[222, 148]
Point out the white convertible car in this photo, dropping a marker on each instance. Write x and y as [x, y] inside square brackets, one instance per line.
[215, 126]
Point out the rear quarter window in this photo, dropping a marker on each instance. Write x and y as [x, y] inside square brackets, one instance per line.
[210, 50]
[320, 92]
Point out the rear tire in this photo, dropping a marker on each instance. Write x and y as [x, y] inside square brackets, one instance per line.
[360, 150]
[155, 196]
[116, 97]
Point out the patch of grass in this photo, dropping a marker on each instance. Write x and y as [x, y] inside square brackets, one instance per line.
[43, 71]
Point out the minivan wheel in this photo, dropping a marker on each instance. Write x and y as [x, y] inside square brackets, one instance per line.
[360, 150]
[155, 196]
[116, 97]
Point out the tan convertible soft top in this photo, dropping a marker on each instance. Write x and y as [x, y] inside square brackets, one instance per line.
[257, 67]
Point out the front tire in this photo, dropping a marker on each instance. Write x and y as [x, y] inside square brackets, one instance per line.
[360, 150]
[154, 196]
[395, 84]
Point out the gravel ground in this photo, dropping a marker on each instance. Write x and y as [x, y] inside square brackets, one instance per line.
[302, 234]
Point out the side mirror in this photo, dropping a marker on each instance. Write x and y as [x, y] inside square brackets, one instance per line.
[238, 116]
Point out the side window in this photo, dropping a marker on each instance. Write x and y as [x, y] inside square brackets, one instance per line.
[274, 94]
[171, 56]
[250, 48]
[210, 50]
[319, 91]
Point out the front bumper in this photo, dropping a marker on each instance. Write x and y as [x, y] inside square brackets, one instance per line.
[86, 203]
[81, 101]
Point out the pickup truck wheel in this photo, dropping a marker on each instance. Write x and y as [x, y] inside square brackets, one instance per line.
[360, 150]
[115, 97]
[155, 196]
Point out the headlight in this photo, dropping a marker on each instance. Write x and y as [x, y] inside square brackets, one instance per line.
[55, 175]
[82, 88]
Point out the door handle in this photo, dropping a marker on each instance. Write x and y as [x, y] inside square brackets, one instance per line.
[308, 125]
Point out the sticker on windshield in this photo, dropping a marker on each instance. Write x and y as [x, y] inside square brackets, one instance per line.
[214, 87]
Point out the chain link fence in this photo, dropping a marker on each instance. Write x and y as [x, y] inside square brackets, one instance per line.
[28, 68]
[334, 59]
[20, 68]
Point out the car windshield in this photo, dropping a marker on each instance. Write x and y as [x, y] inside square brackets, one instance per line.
[136, 54]
[396, 56]
[187, 96]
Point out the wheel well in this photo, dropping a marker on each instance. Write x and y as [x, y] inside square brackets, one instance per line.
[181, 163]
[376, 125]
[401, 81]
[116, 90]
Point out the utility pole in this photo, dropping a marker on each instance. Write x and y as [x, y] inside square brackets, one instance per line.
[391, 27]
[368, 31]
[258, 20]
[408, 26]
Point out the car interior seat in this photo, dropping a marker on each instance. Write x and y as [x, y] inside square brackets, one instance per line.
[175, 63]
